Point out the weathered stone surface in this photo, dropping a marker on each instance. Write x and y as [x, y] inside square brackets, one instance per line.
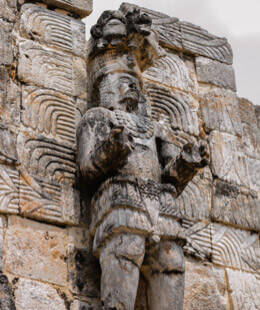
[205, 287]
[171, 71]
[84, 305]
[36, 251]
[233, 205]
[253, 166]
[48, 201]
[177, 110]
[83, 268]
[81, 8]
[7, 10]
[257, 113]
[9, 190]
[6, 294]
[51, 68]
[2, 226]
[53, 29]
[46, 158]
[220, 111]
[6, 53]
[197, 41]
[223, 245]
[244, 290]
[8, 152]
[227, 161]
[9, 98]
[216, 73]
[49, 113]
[31, 295]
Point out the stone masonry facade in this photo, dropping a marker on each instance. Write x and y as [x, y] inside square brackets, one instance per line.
[46, 259]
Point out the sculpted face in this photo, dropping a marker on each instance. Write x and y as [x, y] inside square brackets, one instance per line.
[121, 91]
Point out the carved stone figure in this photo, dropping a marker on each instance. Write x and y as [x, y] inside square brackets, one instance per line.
[133, 167]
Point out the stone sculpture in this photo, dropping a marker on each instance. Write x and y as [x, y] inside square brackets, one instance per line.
[132, 166]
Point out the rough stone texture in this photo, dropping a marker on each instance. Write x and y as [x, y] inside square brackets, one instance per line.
[51, 68]
[216, 73]
[78, 7]
[9, 190]
[220, 111]
[245, 290]
[6, 52]
[84, 305]
[6, 294]
[205, 287]
[2, 226]
[31, 295]
[53, 29]
[36, 251]
[8, 10]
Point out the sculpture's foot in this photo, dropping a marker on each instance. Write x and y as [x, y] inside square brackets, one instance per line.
[120, 261]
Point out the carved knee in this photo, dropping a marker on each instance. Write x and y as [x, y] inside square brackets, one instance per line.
[125, 246]
[166, 256]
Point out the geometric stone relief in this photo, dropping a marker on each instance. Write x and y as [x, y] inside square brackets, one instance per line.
[232, 204]
[198, 41]
[6, 53]
[35, 250]
[216, 73]
[223, 245]
[220, 111]
[50, 113]
[53, 29]
[7, 10]
[227, 161]
[32, 295]
[51, 68]
[46, 158]
[8, 152]
[79, 7]
[9, 190]
[244, 289]
[177, 110]
[170, 70]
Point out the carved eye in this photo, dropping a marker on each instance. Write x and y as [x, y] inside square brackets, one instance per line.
[124, 80]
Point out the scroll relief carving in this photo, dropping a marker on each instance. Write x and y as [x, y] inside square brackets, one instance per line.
[134, 168]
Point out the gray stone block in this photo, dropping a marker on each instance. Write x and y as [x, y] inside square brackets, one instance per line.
[216, 73]
[6, 52]
[8, 9]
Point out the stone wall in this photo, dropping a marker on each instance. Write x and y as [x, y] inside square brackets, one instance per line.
[46, 259]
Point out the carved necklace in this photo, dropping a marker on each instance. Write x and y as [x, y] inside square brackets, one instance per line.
[139, 126]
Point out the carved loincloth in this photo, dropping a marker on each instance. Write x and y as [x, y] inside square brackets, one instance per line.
[129, 204]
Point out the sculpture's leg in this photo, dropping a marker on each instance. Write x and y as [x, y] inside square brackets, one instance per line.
[166, 279]
[120, 261]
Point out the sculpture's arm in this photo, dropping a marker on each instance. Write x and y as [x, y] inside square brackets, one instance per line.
[181, 169]
[102, 148]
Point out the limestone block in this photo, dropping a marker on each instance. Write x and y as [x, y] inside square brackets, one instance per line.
[216, 73]
[253, 166]
[6, 296]
[227, 161]
[171, 71]
[35, 250]
[6, 53]
[232, 205]
[81, 8]
[48, 201]
[53, 29]
[220, 111]
[9, 190]
[8, 9]
[205, 287]
[9, 98]
[8, 152]
[84, 305]
[49, 113]
[51, 68]
[83, 267]
[198, 41]
[31, 295]
[177, 110]
[46, 158]
[244, 290]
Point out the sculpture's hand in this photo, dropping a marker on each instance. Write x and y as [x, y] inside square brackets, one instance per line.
[122, 141]
[196, 156]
